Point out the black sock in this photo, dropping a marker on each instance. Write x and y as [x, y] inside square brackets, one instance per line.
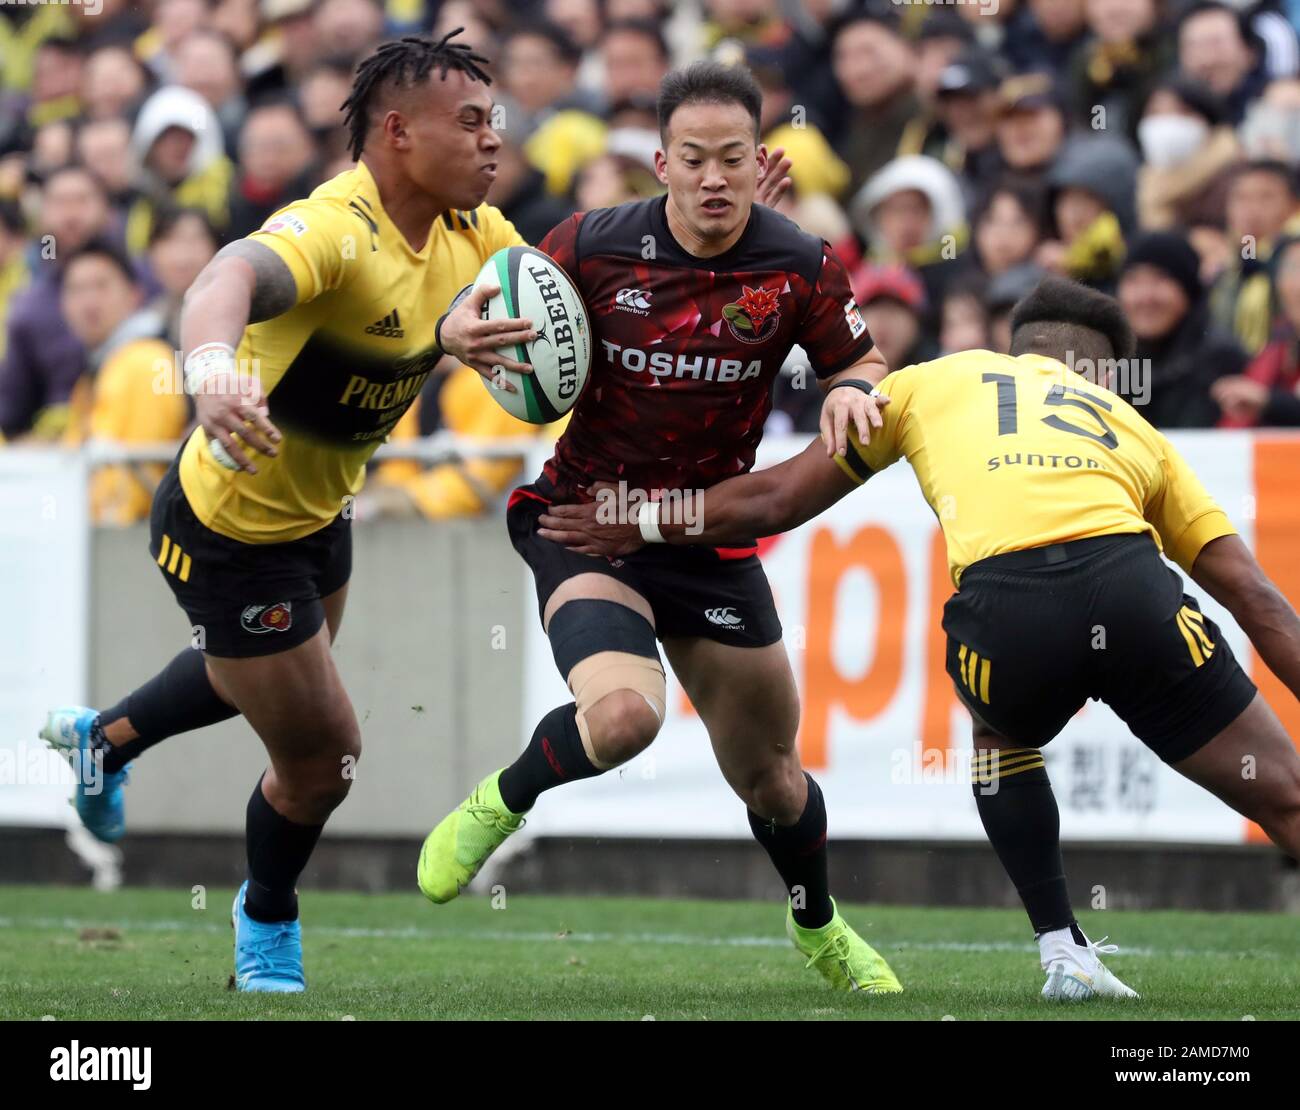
[798, 853]
[554, 755]
[278, 850]
[177, 699]
[1016, 804]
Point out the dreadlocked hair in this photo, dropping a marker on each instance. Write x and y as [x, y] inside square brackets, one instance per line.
[405, 62]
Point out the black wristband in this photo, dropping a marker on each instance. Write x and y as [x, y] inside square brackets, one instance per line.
[856, 383]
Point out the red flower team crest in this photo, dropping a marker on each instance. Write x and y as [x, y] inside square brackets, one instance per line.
[268, 618]
[754, 315]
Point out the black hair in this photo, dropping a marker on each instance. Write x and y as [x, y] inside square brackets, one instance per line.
[568, 50]
[11, 217]
[1028, 192]
[1198, 96]
[645, 27]
[100, 247]
[74, 167]
[1274, 166]
[168, 216]
[707, 82]
[61, 44]
[1248, 34]
[405, 62]
[1063, 317]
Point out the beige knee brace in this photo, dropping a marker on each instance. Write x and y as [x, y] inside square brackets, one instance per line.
[606, 671]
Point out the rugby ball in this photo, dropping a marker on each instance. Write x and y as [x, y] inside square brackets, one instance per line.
[535, 287]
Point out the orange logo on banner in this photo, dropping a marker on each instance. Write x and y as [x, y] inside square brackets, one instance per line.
[875, 552]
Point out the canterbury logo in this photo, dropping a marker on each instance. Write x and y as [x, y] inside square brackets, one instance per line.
[636, 300]
[725, 617]
[390, 327]
[1192, 625]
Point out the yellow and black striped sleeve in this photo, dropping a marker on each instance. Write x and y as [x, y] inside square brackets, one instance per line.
[885, 448]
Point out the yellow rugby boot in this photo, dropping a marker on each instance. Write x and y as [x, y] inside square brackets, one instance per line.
[843, 958]
[463, 840]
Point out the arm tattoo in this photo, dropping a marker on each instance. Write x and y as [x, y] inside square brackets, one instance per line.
[276, 291]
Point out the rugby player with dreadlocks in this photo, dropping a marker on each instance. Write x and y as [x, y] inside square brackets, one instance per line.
[304, 342]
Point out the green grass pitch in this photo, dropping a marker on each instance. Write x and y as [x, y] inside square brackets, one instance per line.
[76, 953]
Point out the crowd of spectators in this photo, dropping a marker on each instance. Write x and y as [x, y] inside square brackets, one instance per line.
[952, 153]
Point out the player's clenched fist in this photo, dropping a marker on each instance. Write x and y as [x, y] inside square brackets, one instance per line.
[466, 335]
[229, 405]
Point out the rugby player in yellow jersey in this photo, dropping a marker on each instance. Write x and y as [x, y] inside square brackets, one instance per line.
[305, 342]
[1058, 498]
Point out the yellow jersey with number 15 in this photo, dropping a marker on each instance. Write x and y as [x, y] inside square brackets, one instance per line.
[1013, 453]
[341, 367]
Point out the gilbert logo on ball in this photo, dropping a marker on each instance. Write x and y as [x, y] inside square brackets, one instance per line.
[535, 287]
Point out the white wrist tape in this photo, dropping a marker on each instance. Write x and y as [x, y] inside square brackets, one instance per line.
[647, 519]
[207, 361]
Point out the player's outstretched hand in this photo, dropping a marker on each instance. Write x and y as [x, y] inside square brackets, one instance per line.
[591, 529]
[843, 405]
[478, 342]
[774, 184]
[230, 405]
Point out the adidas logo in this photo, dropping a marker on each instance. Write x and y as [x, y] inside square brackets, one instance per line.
[390, 327]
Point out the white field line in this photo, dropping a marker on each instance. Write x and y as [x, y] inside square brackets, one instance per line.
[669, 939]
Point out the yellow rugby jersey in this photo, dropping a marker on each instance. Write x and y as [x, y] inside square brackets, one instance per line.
[1013, 453]
[341, 367]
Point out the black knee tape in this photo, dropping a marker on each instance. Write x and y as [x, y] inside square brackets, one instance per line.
[585, 626]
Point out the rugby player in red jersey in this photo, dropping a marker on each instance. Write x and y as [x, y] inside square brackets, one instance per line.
[695, 300]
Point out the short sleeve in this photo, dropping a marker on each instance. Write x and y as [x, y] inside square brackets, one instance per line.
[497, 231]
[1182, 511]
[561, 243]
[319, 241]
[833, 332]
[885, 448]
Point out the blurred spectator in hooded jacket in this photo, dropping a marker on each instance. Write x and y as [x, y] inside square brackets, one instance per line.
[1179, 351]
[1188, 153]
[1090, 209]
[911, 213]
[179, 159]
[1268, 393]
[1271, 128]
